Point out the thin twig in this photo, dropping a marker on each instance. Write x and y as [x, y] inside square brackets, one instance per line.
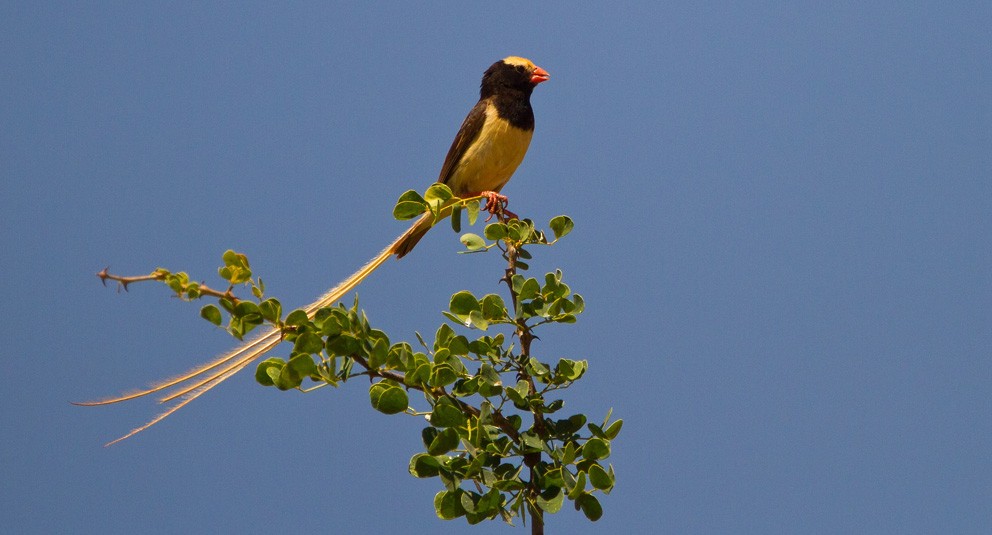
[160, 275]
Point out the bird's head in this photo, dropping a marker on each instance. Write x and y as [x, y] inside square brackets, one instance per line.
[513, 73]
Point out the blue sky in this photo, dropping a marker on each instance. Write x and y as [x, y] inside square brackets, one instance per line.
[782, 235]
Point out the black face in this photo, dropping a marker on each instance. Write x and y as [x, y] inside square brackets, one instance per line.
[502, 77]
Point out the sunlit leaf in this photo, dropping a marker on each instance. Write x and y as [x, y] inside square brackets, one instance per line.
[212, 314]
[262, 373]
[409, 206]
[595, 449]
[447, 504]
[446, 414]
[388, 398]
[550, 500]
[561, 225]
[472, 242]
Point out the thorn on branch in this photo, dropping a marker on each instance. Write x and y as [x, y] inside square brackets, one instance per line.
[103, 275]
[123, 282]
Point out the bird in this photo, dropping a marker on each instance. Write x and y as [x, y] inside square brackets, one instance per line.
[488, 148]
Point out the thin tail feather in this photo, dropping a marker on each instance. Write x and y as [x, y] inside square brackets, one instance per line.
[237, 365]
[195, 394]
[169, 383]
[414, 233]
[251, 351]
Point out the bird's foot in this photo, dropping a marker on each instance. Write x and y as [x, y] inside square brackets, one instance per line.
[496, 206]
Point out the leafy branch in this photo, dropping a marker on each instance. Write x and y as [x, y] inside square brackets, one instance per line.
[494, 436]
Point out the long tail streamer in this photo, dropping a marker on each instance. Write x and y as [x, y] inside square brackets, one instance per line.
[201, 379]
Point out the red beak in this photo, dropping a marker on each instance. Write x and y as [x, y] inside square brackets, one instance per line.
[539, 75]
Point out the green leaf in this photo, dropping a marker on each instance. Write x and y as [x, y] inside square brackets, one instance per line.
[442, 336]
[409, 206]
[519, 400]
[420, 375]
[444, 442]
[428, 434]
[490, 383]
[446, 414]
[388, 398]
[570, 426]
[590, 507]
[600, 479]
[568, 452]
[437, 195]
[271, 309]
[343, 344]
[495, 231]
[463, 304]
[379, 354]
[529, 289]
[509, 485]
[458, 345]
[226, 304]
[308, 342]
[522, 387]
[303, 365]
[595, 449]
[465, 387]
[473, 212]
[478, 320]
[490, 502]
[423, 465]
[442, 375]
[517, 230]
[530, 441]
[493, 307]
[579, 303]
[247, 308]
[230, 257]
[211, 313]
[568, 479]
[265, 377]
[550, 500]
[613, 430]
[400, 356]
[561, 225]
[597, 431]
[193, 290]
[448, 505]
[579, 488]
[296, 318]
[456, 218]
[570, 370]
[537, 368]
[236, 269]
[472, 242]
[292, 374]
[464, 322]
[468, 503]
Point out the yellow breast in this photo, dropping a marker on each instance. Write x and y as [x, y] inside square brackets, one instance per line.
[491, 160]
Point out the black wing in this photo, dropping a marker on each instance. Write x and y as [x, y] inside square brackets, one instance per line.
[467, 135]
